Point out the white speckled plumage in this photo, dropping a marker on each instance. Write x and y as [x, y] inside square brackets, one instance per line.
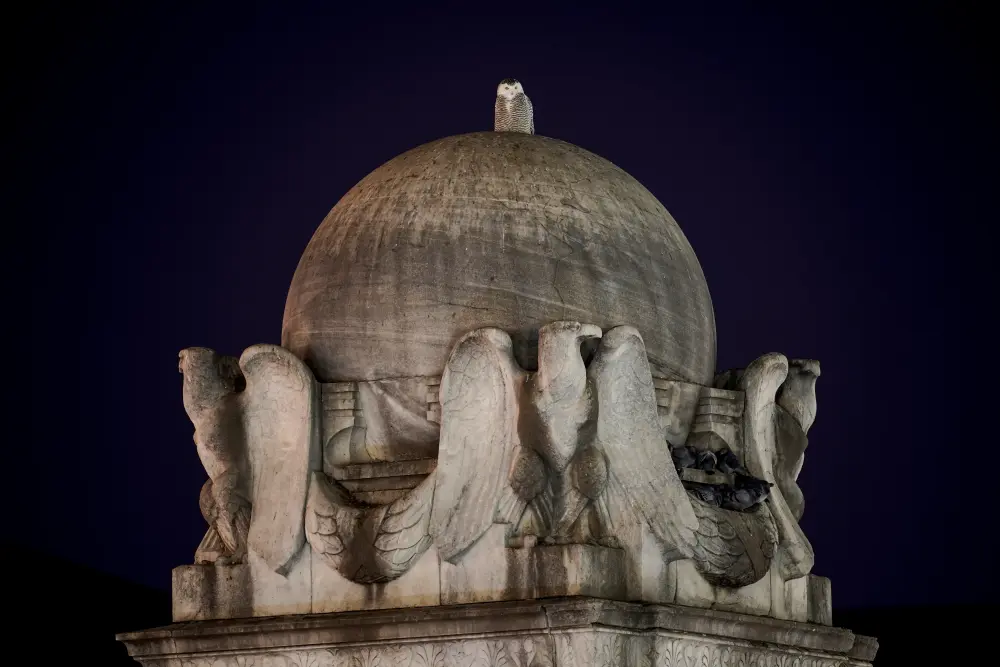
[512, 111]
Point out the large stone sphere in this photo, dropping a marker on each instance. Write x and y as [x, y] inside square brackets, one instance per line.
[496, 229]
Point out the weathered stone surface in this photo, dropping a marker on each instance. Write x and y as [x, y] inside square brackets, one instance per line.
[558, 482]
[808, 599]
[282, 434]
[794, 416]
[487, 571]
[692, 589]
[717, 419]
[381, 483]
[628, 431]
[202, 592]
[490, 572]
[420, 587]
[536, 451]
[257, 434]
[558, 632]
[275, 594]
[761, 382]
[364, 543]
[577, 569]
[379, 420]
[676, 403]
[493, 229]
[211, 395]
[480, 391]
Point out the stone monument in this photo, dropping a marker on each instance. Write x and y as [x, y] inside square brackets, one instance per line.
[494, 434]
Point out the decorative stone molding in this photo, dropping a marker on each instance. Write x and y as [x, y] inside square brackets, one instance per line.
[564, 632]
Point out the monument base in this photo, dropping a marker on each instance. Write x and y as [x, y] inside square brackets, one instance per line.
[555, 632]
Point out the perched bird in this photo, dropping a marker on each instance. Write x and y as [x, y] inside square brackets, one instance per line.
[705, 461]
[683, 456]
[512, 111]
[745, 493]
[711, 494]
[731, 499]
[727, 462]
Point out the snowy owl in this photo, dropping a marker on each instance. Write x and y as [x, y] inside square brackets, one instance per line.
[512, 111]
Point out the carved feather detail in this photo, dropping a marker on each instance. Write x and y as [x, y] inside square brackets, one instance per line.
[332, 520]
[733, 549]
[402, 534]
[479, 443]
[629, 433]
[363, 543]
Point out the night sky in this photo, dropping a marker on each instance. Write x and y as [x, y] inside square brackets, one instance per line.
[166, 168]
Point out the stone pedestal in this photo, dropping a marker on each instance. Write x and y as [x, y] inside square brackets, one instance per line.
[555, 632]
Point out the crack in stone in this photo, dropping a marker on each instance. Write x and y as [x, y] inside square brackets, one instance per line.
[558, 262]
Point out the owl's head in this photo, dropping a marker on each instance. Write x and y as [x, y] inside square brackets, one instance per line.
[509, 88]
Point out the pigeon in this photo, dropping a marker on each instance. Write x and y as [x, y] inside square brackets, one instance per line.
[683, 456]
[737, 500]
[751, 490]
[728, 462]
[705, 461]
[710, 494]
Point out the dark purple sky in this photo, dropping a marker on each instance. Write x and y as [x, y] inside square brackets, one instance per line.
[168, 167]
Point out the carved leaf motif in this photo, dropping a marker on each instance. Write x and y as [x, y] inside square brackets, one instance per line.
[528, 652]
[667, 652]
[367, 657]
[565, 653]
[495, 655]
[396, 656]
[692, 654]
[612, 650]
[462, 654]
[607, 650]
[428, 655]
[338, 657]
[303, 659]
